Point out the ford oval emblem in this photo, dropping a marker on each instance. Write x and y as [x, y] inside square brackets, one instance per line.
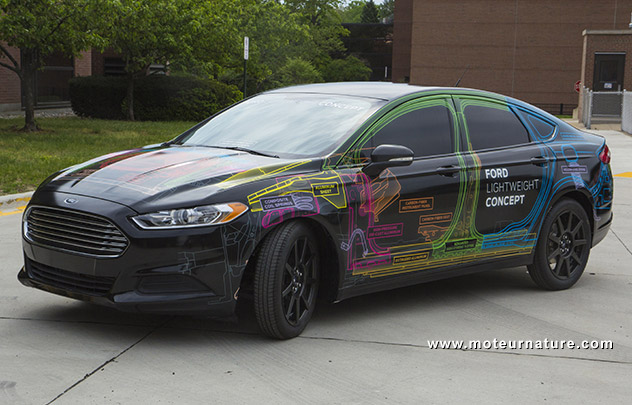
[71, 201]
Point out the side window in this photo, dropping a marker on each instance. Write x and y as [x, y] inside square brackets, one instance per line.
[491, 125]
[540, 128]
[427, 131]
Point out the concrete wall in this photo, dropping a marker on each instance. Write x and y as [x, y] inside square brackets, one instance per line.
[529, 49]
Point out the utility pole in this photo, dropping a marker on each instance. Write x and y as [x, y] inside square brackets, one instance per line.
[246, 45]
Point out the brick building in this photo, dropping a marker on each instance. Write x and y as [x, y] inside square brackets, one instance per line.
[605, 57]
[528, 49]
[51, 83]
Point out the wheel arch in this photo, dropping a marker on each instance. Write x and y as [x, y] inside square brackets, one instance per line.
[584, 200]
[331, 261]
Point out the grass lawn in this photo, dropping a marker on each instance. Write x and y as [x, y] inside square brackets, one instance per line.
[26, 159]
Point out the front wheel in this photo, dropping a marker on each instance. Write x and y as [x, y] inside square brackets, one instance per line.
[563, 247]
[286, 280]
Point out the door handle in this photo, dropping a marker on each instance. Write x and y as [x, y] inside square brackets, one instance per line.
[539, 160]
[447, 170]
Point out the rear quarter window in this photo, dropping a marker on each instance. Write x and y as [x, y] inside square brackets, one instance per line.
[540, 128]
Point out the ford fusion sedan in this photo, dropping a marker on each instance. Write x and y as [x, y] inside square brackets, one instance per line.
[328, 190]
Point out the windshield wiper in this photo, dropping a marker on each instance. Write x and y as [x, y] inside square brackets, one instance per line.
[251, 151]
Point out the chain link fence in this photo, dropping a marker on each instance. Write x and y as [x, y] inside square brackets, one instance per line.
[605, 106]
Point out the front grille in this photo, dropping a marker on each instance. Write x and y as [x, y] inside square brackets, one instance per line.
[66, 280]
[74, 231]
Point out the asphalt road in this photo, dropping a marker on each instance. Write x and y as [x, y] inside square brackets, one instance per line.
[370, 349]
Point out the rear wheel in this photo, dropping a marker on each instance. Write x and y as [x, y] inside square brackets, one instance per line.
[563, 247]
[286, 280]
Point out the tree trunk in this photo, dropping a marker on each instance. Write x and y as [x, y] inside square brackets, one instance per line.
[130, 97]
[30, 64]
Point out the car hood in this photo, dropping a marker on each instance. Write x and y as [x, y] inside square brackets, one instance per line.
[167, 177]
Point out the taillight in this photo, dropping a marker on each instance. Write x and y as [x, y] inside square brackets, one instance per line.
[604, 156]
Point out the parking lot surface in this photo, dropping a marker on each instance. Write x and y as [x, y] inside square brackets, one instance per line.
[370, 349]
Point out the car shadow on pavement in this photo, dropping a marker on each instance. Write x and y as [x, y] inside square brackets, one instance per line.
[416, 299]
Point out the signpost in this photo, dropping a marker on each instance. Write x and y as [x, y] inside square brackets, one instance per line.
[246, 46]
[577, 85]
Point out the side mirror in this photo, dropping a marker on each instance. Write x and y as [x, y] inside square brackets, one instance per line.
[388, 156]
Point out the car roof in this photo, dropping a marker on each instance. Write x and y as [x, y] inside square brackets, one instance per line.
[392, 91]
[378, 90]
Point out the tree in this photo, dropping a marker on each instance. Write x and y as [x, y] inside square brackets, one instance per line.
[40, 28]
[347, 70]
[370, 15]
[315, 10]
[325, 29]
[284, 36]
[145, 32]
[276, 34]
[298, 71]
[387, 9]
[352, 11]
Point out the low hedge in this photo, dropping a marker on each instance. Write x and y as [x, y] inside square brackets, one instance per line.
[156, 97]
[98, 96]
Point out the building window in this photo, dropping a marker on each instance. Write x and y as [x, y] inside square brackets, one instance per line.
[113, 67]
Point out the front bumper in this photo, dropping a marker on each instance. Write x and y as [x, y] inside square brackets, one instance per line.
[133, 301]
[167, 271]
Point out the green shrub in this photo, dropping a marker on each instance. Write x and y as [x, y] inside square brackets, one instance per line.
[298, 71]
[346, 70]
[98, 96]
[156, 97]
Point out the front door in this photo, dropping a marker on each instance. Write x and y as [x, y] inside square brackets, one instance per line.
[608, 75]
[409, 215]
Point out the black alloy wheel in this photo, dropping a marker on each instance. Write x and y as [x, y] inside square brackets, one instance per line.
[299, 283]
[286, 280]
[563, 247]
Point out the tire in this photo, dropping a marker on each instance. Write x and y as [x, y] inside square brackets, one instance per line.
[286, 280]
[563, 247]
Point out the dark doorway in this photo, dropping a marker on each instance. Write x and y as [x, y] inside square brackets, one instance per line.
[608, 71]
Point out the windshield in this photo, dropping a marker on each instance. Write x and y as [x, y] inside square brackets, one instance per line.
[286, 124]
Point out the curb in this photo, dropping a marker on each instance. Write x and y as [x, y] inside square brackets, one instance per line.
[14, 203]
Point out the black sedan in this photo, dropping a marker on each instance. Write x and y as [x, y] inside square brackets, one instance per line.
[329, 190]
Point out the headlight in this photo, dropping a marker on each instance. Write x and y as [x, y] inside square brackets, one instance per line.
[191, 217]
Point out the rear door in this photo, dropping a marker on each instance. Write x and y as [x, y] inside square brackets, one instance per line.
[510, 172]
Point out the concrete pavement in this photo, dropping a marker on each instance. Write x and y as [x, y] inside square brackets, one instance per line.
[370, 349]
[14, 203]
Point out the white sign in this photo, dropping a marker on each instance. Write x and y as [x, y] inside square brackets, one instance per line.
[246, 46]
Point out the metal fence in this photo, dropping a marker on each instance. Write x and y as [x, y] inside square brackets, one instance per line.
[557, 109]
[626, 113]
[605, 106]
